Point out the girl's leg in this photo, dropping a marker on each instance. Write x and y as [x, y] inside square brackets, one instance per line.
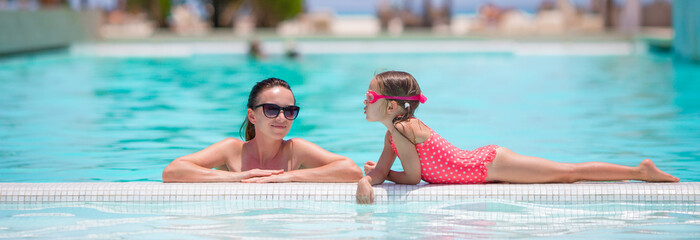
[515, 168]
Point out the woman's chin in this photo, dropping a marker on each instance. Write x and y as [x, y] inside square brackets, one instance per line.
[278, 137]
[276, 134]
[281, 134]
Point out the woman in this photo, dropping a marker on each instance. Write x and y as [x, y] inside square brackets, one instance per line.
[265, 156]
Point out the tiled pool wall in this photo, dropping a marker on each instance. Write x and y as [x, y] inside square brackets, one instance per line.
[588, 192]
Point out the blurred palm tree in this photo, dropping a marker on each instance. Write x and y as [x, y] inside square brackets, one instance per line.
[272, 12]
[157, 11]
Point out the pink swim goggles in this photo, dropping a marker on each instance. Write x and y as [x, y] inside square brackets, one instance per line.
[372, 97]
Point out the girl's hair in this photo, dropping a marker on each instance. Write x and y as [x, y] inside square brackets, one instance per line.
[253, 101]
[400, 84]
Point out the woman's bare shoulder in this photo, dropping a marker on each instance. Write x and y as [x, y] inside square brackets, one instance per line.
[232, 149]
[302, 147]
[230, 145]
[299, 143]
[232, 142]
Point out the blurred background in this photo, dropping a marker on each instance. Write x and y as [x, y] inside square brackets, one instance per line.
[80, 20]
[139, 18]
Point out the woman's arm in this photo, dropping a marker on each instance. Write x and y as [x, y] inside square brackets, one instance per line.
[317, 165]
[197, 167]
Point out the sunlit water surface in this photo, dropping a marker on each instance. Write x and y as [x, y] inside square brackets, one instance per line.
[77, 118]
[285, 219]
[70, 118]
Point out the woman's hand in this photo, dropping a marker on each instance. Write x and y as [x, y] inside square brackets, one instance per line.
[365, 192]
[279, 178]
[369, 167]
[257, 175]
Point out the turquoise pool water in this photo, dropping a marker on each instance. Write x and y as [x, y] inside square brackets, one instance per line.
[76, 118]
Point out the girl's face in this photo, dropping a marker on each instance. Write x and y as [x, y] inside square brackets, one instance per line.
[277, 127]
[374, 111]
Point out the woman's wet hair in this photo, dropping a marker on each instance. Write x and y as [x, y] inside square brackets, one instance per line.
[400, 84]
[253, 101]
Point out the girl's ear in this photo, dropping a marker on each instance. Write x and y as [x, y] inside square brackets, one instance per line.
[390, 107]
[251, 116]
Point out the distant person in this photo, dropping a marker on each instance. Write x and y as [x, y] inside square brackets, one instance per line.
[264, 156]
[394, 96]
[290, 49]
[255, 49]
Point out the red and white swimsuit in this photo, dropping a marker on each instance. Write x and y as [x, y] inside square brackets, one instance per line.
[442, 162]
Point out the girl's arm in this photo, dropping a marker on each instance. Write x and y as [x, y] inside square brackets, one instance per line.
[381, 171]
[317, 165]
[365, 193]
[370, 165]
[408, 156]
[197, 167]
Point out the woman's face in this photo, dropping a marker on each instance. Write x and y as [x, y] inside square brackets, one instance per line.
[278, 127]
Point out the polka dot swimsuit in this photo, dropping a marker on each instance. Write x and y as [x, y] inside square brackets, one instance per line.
[442, 162]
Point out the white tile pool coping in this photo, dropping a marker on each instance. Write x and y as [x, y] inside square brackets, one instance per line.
[519, 48]
[589, 192]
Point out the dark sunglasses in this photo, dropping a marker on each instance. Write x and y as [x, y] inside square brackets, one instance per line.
[273, 110]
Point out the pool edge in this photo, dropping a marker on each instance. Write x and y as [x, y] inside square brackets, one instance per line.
[589, 192]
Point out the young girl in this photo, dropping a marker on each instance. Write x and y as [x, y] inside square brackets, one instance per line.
[392, 99]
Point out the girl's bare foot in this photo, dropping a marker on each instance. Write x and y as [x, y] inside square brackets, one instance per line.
[651, 173]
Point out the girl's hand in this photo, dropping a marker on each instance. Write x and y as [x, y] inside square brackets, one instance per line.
[365, 192]
[369, 167]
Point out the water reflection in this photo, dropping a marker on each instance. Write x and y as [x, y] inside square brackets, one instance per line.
[246, 219]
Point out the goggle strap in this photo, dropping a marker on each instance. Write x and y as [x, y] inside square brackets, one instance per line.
[420, 98]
